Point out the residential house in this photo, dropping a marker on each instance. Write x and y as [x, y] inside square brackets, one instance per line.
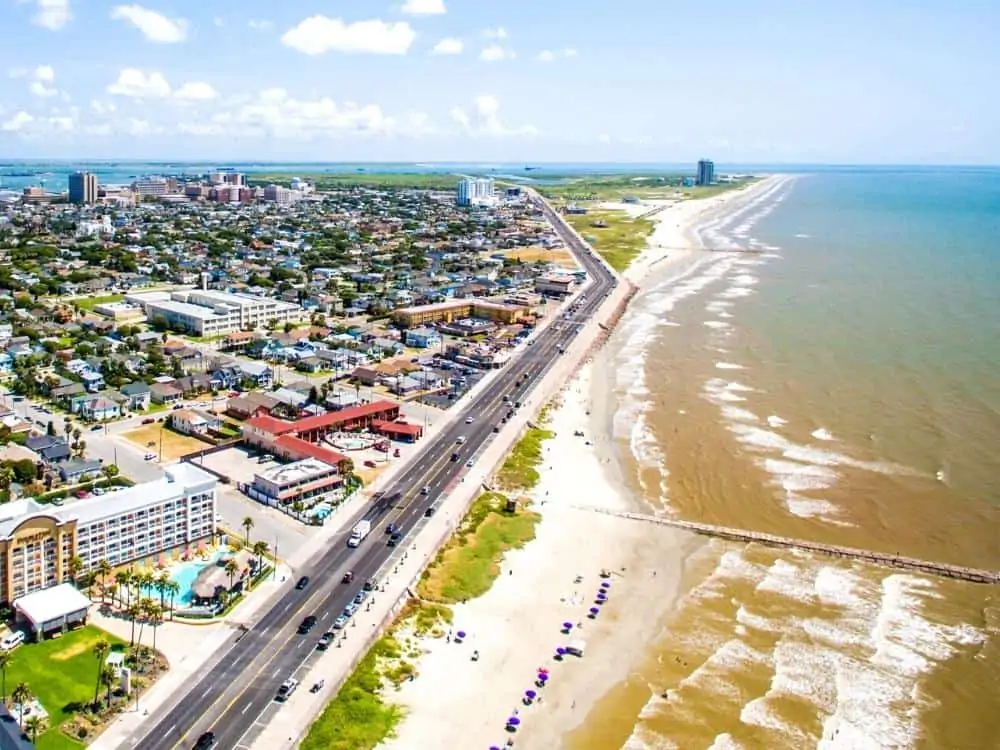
[99, 409]
[192, 422]
[51, 448]
[165, 393]
[257, 372]
[65, 393]
[92, 381]
[73, 472]
[250, 404]
[194, 384]
[422, 338]
[138, 395]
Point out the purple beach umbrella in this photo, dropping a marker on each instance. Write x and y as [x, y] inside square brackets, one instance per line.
[530, 694]
[513, 721]
[567, 625]
[605, 584]
[602, 597]
[460, 634]
[543, 676]
[494, 747]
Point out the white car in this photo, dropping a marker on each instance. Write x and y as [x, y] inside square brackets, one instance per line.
[286, 689]
[470, 420]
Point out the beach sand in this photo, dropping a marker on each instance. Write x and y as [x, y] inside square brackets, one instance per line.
[515, 627]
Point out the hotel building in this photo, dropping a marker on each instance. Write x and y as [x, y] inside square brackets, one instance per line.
[37, 542]
[83, 188]
[456, 309]
[475, 191]
[207, 312]
[706, 172]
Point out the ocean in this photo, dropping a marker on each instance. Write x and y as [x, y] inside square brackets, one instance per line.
[839, 385]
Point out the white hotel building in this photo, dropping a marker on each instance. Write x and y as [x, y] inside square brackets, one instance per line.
[475, 191]
[207, 312]
[141, 523]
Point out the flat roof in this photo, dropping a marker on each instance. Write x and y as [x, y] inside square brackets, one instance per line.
[186, 308]
[295, 471]
[51, 603]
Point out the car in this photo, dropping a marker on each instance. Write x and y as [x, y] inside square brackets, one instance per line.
[431, 510]
[395, 539]
[506, 398]
[325, 640]
[98, 491]
[97, 428]
[371, 464]
[454, 456]
[470, 463]
[302, 583]
[178, 406]
[391, 528]
[517, 404]
[149, 420]
[340, 623]
[286, 689]
[149, 456]
[461, 440]
[496, 428]
[470, 420]
[348, 577]
[307, 624]
[350, 609]
[371, 584]
[360, 596]
[205, 742]
[425, 490]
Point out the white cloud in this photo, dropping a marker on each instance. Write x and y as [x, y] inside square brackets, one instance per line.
[18, 122]
[260, 24]
[45, 74]
[104, 129]
[423, 7]
[38, 88]
[135, 83]
[498, 33]
[62, 123]
[196, 91]
[52, 14]
[547, 55]
[42, 77]
[318, 34]
[494, 53]
[139, 128]
[448, 46]
[156, 27]
[103, 108]
[274, 113]
[485, 119]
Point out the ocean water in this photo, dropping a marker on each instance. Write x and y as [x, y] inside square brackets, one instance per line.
[840, 385]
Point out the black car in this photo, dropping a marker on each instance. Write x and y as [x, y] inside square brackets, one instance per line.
[391, 528]
[205, 742]
[371, 584]
[430, 511]
[395, 539]
[454, 456]
[303, 582]
[307, 624]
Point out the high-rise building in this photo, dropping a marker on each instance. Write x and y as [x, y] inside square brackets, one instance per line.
[706, 172]
[83, 187]
[475, 191]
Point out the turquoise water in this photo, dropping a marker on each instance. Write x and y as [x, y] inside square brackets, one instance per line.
[184, 575]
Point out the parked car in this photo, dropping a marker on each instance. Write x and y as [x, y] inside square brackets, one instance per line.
[395, 539]
[361, 596]
[325, 640]
[371, 464]
[286, 689]
[340, 622]
[149, 420]
[350, 609]
[302, 583]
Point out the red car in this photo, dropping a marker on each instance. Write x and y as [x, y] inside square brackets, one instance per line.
[370, 464]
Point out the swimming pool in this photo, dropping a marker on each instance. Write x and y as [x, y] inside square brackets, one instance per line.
[321, 510]
[185, 573]
[347, 441]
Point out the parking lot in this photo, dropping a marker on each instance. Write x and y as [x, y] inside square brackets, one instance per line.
[238, 463]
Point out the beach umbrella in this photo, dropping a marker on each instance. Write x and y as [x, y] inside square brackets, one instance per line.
[494, 747]
[560, 652]
[605, 584]
[543, 670]
[602, 598]
[530, 694]
[543, 678]
[461, 634]
[513, 721]
[567, 625]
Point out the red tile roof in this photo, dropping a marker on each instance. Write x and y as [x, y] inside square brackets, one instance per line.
[272, 425]
[343, 416]
[305, 449]
[397, 428]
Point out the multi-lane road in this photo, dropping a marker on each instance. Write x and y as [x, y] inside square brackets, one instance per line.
[237, 687]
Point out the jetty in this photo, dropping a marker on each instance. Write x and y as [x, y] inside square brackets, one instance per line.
[928, 567]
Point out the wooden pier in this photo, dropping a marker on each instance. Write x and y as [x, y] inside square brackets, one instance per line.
[928, 567]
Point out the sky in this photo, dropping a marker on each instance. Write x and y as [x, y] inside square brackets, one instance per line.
[654, 81]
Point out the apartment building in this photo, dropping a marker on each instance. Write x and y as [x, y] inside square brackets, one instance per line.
[83, 188]
[457, 309]
[207, 312]
[140, 523]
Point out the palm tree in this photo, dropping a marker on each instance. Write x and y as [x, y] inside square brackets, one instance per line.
[147, 581]
[259, 549]
[122, 579]
[100, 651]
[108, 676]
[155, 615]
[146, 606]
[173, 589]
[34, 725]
[76, 565]
[20, 695]
[6, 657]
[161, 586]
[247, 524]
[103, 570]
[6, 477]
[133, 612]
[232, 568]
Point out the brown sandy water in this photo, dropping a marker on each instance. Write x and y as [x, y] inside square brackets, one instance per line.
[778, 649]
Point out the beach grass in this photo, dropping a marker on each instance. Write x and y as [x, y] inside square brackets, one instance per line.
[519, 472]
[89, 303]
[469, 563]
[618, 237]
[342, 180]
[61, 673]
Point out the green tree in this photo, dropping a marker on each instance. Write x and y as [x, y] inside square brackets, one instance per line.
[110, 470]
[34, 725]
[6, 657]
[103, 569]
[50, 430]
[20, 695]
[108, 676]
[232, 568]
[100, 652]
[259, 550]
[247, 525]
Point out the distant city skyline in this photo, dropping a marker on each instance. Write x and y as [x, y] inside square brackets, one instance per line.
[433, 80]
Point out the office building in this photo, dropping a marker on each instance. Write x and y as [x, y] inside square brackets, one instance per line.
[147, 522]
[475, 191]
[154, 186]
[207, 312]
[706, 172]
[83, 188]
[278, 194]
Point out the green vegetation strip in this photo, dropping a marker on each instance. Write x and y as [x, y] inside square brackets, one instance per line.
[469, 563]
[519, 472]
[333, 181]
[89, 303]
[614, 234]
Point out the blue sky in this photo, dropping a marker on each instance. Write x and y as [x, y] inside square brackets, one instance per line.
[768, 81]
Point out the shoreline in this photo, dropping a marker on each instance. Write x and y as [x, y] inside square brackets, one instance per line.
[515, 626]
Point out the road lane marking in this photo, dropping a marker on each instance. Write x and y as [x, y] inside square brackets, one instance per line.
[246, 707]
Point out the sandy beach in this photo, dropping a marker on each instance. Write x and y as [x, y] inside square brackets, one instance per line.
[516, 626]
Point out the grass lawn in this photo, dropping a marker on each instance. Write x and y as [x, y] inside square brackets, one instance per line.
[560, 256]
[619, 240]
[469, 563]
[89, 303]
[335, 180]
[60, 672]
[175, 445]
[519, 472]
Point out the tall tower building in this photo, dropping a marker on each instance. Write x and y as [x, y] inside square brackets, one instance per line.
[475, 191]
[706, 172]
[83, 188]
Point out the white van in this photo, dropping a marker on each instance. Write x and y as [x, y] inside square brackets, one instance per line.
[12, 640]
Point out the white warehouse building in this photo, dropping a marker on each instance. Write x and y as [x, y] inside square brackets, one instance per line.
[207, 312]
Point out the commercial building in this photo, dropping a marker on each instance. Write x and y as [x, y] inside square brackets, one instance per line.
[706, 173]
[475, 191]
[456, 309]
[295, 482]
[83, 188]
[207, 312]
[154, 186]
[555, 284]
[278, 194]
[144, 522]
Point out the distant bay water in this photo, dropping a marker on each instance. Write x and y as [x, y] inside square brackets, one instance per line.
[840, 385]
